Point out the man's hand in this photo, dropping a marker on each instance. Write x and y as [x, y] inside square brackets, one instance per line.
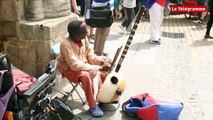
[106, 67]
[77, 12]
[106, 60]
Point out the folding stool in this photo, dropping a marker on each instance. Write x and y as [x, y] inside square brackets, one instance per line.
[56, 51]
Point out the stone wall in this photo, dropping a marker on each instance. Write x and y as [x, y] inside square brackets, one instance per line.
[9, 10]
[28, 43]
[10, 13]
[43, 9]
[32, 50]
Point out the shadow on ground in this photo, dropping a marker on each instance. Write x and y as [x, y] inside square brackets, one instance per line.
[203, 42]
[142, 45]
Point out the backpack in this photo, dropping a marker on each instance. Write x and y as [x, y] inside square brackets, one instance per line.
[63, 111]
[146, 107]
[99, 17]
[51, 109]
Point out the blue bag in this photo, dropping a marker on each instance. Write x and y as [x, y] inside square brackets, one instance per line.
[147, 108]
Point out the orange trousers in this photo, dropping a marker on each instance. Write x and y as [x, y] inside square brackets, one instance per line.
[87, 84]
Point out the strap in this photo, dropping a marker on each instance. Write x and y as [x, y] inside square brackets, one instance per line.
[124, 109]
[97, 4]
[101, 1]
[5, 99]
[144, 96]
[1, 77]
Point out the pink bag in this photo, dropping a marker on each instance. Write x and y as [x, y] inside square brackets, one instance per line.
[22, 80]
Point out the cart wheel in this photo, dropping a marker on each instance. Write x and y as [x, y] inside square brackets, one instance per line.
[188, 15]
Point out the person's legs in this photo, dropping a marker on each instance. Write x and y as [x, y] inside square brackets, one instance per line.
[82, 8]
[203, 15]
[87, 84]
[209, 26]
[124, 23]
[91, 30]
[160, 22]
[200, 21]
[88, 87]
[116, 9]
[130, 16]
[155, 21]
[101, 35]
[115, 13]
[91, 36]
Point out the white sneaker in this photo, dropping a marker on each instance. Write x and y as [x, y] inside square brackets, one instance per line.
[122, 28]
[156, 42]
[127, 32]
[199, 22]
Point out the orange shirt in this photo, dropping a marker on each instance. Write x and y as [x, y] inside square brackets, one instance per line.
[161, 2]
[75, 58]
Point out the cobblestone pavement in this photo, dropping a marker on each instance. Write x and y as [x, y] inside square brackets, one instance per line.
[178, 70]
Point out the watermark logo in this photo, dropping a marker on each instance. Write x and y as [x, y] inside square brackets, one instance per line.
[185, 8]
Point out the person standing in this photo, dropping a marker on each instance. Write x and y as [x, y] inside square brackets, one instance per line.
[101, 34]
[200, 21]
[75, 4]
[156, 8]
[91, 35]
[87, 4]
[201, 15]
[78, 63]
[210, 21]
[129, 6]
[116, 9]
[146, 11]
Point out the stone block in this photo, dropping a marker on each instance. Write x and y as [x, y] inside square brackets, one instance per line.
[13, 51]
[44, 33]
[32, 48]
[16, 62]
[1, 30]
[30, 69]
[67, 12]
[39, 32]
[9, 10]
[44, 30]
[28, 56]
[49, 33]
[8, 29]
[35, 70]
[54, 9]
[4, 42]
[40, 69]
[34, 10]
[20, 6]
[43, 52]
[25, 31]
[23, 50]
[59, 29]
[36, 32]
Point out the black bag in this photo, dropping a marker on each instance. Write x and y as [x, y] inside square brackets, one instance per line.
[62, 111]
[99, 17]
[48, 109]
[7, 80]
